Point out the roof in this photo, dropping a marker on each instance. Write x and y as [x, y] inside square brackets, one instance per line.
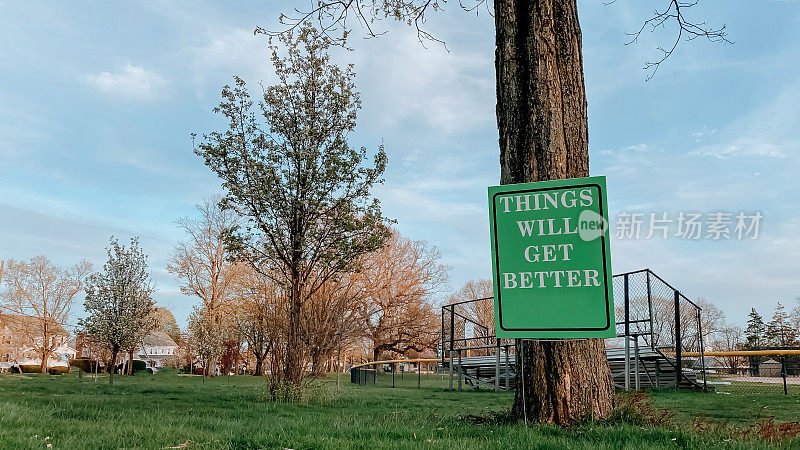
[159, 338]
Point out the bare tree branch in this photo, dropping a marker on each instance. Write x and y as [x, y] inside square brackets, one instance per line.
[675, 13]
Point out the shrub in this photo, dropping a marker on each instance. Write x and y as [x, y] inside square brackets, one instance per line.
[85, 364]
[30, 368]
[139, 365]
[58, 370]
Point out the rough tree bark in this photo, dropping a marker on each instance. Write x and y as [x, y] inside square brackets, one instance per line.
[542, 121]
[114, 352]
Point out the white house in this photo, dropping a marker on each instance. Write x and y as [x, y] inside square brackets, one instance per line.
[157, 347]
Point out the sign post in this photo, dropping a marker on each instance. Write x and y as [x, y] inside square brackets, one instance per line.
[551, 259]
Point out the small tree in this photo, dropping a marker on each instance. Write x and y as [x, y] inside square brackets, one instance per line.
[780, 332]
[303, 191]
[755, 331]
[38, 298]
[203, 334]
[118, 300]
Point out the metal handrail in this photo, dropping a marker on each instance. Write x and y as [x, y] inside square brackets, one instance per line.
[392, 361]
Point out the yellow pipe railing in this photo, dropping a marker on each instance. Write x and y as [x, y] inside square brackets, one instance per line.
[740, 353]
[391, 361]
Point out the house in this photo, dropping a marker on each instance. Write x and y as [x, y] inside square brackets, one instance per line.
[769, 368]
[21, 335]
[156, 349]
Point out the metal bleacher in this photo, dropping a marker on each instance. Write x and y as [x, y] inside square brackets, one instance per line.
[655, 324]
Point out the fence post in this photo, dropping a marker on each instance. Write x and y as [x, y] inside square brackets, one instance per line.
[650, 309]
[460, 368]
[419, 373]
[702, 349]
[508, 386]
[636, 361]
[627, 337]
[497, 366]
[451, 368]
[783, 375]
[452, 324]
[678, 368]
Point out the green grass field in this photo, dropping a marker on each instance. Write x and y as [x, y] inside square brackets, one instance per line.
[166, 410]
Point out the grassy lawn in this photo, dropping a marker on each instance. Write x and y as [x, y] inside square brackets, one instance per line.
[161, 411]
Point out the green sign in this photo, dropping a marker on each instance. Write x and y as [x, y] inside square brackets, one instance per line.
[551, 259]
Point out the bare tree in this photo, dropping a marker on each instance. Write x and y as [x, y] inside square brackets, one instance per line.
[480, 311]
[795, 316]
[712, 319]
[331, 319]
[201, 263]
[165, 321]
[259, 304]
[38, 299]
[730, 338]
[118, 300]
[399, 280]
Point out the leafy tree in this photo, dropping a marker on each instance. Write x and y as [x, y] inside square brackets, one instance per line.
[203, 334]
[119, 306]
[37, 301]
[301, 189]
[755, 331]
[542, 122]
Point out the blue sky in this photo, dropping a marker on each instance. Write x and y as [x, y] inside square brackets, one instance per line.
[97, 102]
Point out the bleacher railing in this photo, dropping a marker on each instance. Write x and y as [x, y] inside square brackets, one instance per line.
[650, 313]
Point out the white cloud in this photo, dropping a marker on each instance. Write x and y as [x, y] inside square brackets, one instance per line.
[407, 85]
[229, 51]
[131, 83]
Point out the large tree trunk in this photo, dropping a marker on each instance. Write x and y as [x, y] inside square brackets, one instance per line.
[45, 355]
[293, 367]
[113, 365]
[541, 116]
[130, 362]
[259, 365]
